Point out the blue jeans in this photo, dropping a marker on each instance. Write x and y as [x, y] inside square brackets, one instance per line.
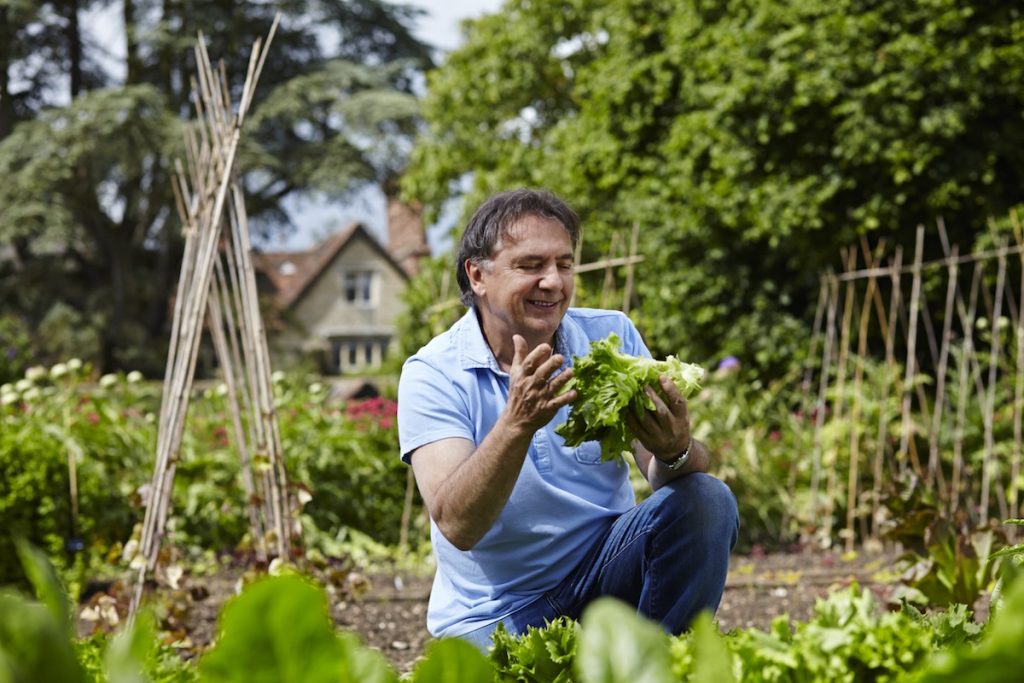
[669, 556]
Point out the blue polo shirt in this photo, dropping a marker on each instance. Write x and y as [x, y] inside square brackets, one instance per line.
[564, 497]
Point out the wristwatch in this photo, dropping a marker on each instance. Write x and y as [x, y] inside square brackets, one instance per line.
[679, 460]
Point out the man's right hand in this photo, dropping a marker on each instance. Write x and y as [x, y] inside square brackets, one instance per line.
[533, 394]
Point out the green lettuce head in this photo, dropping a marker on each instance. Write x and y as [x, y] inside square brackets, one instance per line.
[609, 383]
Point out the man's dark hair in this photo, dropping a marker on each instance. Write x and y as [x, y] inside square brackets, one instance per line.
[496, 216]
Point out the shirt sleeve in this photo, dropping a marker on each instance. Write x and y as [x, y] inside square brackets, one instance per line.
[430, 408]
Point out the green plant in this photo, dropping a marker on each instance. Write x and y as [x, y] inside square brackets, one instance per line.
[610, 385]
[541, 655]
[948, 559]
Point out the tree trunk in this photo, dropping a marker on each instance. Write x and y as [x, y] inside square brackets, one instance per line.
[74, 49]
[133, 66]
[6, 106]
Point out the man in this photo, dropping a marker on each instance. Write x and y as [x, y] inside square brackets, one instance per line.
[524, 528]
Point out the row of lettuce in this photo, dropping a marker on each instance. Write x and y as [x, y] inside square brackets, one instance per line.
[279, 629]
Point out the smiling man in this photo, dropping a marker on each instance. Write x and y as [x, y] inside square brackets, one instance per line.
[524, 528]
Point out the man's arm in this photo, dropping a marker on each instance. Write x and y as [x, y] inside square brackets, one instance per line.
[465, 489]
[666, 434]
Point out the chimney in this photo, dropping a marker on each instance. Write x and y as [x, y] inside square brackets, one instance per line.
[407, 240]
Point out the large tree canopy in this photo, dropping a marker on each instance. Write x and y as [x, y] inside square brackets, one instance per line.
[750, 139]
[86, 213]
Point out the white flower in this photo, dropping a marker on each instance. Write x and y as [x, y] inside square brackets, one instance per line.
[134, 377]
[58, 371]
[6, 388]
[316, 388]
[36, 372]
[31, 394]
[8, 398]
[75, 364]
[23, 385]
[277, 377]
[108, 380]
[222, 389]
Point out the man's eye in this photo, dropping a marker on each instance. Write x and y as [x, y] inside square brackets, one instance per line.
[567, 267]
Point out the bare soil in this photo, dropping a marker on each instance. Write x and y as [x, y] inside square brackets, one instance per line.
[389, 613]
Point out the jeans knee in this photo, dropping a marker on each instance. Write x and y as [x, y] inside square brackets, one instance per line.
[709, 503]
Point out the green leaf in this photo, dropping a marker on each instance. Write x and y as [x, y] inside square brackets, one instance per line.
[609, 386]
[453, 661]
[714, 664]
[44, 580]
[618, 646]
[279, 630]
[34, 643]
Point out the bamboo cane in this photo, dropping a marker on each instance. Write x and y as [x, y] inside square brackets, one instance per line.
[840, 400]
[883, 404]
[609, 274]
[966, 314]
[990, 404]
[823, 384]
[911, 362]
[210, 161]
[858, 382]
[627, 292]
[1018, 393]
[934, 465]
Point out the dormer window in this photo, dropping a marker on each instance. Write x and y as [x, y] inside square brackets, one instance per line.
[287, 268]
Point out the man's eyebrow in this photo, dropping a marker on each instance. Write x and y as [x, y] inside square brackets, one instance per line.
[526, 258]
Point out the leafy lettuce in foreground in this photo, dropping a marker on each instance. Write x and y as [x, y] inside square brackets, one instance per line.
[608, 383]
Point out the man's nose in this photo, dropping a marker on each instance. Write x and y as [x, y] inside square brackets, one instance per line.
[550, 279]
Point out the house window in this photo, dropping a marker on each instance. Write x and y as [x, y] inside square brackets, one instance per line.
[359, 286]
[361, 353]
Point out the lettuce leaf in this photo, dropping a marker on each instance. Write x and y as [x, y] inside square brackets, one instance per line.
[608, 383]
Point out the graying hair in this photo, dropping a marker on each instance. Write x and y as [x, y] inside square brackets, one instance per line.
[495, 218]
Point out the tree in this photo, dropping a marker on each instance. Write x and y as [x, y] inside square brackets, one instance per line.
[750, 140]
[87, 197]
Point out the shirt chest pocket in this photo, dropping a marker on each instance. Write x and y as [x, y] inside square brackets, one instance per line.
[588, 453]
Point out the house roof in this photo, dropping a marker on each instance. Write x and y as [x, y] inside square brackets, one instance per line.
[292, 281]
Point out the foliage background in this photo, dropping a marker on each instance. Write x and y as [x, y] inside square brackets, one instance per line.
[750, 141]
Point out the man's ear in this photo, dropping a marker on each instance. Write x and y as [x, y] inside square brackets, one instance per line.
[475, 273]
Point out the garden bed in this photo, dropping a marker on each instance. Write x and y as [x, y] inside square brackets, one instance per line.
[390, 613]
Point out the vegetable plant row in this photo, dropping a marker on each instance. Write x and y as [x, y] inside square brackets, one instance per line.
[279, 629]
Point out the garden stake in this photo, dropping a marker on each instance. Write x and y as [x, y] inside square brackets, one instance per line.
[890, 376]
[858, 380]
[1018, 393]
[934, 465]
[990, 404]
[819, 417]
[211, 148]
[627, 292]
[967, 354]
[840, 396]
[911, 358]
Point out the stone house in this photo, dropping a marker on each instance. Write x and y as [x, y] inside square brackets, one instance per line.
[337, 303]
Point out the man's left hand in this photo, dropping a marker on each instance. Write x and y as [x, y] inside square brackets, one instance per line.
[665, 430]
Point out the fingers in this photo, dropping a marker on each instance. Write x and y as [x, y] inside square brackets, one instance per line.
[673, 398]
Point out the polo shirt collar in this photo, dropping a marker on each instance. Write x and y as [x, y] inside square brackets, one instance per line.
[474, 351]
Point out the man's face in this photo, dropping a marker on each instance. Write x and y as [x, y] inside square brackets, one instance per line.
[528, 283]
